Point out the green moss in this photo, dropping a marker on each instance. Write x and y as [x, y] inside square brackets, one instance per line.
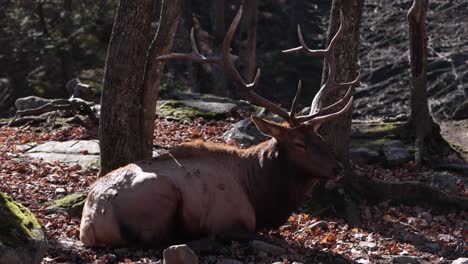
[382, 126]
[182, 112]
[16, 222]
[73, 203]
[372, 144]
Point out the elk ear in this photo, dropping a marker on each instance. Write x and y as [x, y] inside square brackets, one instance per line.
[268, 128]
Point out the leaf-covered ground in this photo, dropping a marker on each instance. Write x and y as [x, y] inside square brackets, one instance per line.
[387, 231]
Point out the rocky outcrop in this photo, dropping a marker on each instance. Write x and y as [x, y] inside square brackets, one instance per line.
[83, 152]
[186, 107]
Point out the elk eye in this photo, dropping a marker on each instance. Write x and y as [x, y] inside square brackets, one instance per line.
[299, 145]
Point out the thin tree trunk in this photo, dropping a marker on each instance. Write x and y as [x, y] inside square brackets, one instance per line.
[66, 57]
[249, 38]
[131, 79]
[218, 27]
[161, 44]
[337, 134]
[420, 119]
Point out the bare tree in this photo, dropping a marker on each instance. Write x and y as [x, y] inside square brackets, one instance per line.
[218, 28]
[131, 81]
[420, 120]
[338, 133]
[249, 38]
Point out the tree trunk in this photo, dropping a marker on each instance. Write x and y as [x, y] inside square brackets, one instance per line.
[218, 27]
[131, 79]
[337, 134]
[420, 119]
[66, 57]
[249, 39]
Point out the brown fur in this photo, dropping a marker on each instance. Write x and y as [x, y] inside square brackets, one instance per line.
[203, 188]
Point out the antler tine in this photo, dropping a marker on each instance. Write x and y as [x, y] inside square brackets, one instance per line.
[318, 114]
[317, 121]
[304, 48]
[195, 55]
[327, 110]
[193, 43]
[296, 100]
[227, 65]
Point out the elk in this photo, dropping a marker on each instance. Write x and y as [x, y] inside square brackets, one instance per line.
[198, 189]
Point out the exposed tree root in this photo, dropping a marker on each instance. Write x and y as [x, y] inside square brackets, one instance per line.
[407, 193]
[344, 201]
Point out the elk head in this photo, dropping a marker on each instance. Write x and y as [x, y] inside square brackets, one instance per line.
[299, 141]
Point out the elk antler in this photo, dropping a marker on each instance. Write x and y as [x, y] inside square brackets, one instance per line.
[318, 113]
[226, 63]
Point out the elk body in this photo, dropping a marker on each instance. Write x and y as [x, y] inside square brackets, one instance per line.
[198, 188]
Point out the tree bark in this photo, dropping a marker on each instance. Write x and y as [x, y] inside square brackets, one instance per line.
[420, 118]
[66, 56]
[337, 134]
[218, 27]
[249, 38]
[131, 79]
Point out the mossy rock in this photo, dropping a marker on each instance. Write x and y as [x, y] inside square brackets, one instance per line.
[188, 110]
[72, 204]
[21, 237]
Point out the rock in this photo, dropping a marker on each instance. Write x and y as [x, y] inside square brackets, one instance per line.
[21, 236]
[419, 222]
[405, 259]
[31, 102]
[260, 246]
[394, 154]
[369, 245]
[72, 204]
[440, 218]
[187, 108]
[433, 246]
[179, 254]
[447, 180]
[394, 144]
[82, 152]
[25, 147]
[426, 215]
[363, 155]
[228, 261]
[460, 261]
[245, 132]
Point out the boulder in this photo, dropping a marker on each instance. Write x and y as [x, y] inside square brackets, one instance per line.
[460, 261]
[246, 133]
[21, 237]
[448, 181]
[187, 107]
[363, 155]
[395, 153]
[31, 102]
[179, 254]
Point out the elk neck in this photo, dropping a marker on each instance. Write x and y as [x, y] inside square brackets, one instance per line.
[275, 188]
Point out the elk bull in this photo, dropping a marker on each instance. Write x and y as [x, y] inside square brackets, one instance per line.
[198, 188]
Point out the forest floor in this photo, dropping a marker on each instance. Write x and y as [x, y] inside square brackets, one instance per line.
[388, 232]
